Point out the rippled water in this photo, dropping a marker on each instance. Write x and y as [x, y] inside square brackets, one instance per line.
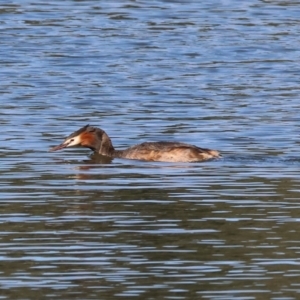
[218, 74]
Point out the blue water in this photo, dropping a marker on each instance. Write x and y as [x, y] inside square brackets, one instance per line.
[222, 75]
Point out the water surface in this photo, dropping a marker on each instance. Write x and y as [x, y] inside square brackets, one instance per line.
[222, 75]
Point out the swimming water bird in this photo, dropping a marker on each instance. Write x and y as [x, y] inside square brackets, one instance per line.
[97, 140]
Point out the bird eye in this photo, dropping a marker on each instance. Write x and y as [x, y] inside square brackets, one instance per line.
[70, 141]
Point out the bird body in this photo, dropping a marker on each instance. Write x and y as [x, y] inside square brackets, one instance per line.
[97, 140]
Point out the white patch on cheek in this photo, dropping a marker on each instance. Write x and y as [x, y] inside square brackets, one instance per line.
[73, 141]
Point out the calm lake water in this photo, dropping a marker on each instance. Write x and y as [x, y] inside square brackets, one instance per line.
[217, 74]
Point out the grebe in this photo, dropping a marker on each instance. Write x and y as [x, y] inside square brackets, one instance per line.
[97, 140]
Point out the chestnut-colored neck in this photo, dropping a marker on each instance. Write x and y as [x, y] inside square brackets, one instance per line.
[103, 144]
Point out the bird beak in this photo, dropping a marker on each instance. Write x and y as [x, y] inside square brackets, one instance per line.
[59, 147]
[69, 142]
